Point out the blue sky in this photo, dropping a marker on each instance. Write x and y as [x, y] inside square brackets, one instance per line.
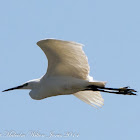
[110, 31]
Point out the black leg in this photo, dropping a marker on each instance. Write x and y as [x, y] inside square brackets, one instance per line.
[124, 90]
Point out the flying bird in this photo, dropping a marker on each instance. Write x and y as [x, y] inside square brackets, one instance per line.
[68, 73]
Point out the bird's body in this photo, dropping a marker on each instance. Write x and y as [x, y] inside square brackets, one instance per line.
[68, 73]
[58, 85]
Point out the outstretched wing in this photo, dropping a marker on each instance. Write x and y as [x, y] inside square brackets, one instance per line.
[65, 58]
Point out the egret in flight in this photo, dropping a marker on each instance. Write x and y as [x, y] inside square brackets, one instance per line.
[68, 73]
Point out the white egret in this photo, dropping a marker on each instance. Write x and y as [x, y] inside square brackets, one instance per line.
[68, 73]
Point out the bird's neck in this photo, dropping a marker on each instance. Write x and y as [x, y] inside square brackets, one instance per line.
[33, 84]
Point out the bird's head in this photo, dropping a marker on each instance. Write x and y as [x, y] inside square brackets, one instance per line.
[28, 85]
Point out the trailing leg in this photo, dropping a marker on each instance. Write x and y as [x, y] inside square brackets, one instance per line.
[124, 90]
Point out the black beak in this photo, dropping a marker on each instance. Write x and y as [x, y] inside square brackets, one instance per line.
[18, 87]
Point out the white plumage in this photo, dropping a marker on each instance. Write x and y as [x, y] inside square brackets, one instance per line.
[68, 73]
[67, 59]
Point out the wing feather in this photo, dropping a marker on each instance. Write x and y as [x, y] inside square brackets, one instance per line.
[65, 58]
[92, 98]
